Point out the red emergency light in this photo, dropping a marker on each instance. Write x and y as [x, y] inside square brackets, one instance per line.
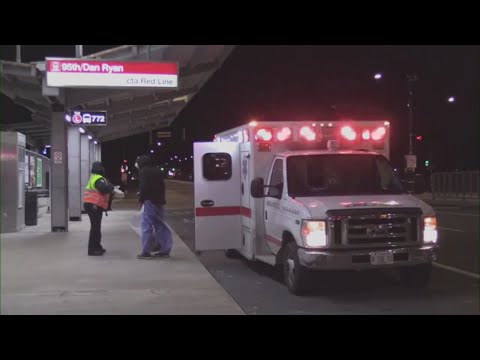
[284, 134]
[379, 133]
[348, 133]
[366, 135]
[308, 133]
[263, 135]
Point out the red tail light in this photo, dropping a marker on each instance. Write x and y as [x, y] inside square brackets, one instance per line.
[284, 134]
[378, 133]
[366, 135]
[263, 135]
[348, 133]
[308, 133]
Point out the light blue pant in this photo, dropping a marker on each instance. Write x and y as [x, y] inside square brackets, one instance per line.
[154, 219]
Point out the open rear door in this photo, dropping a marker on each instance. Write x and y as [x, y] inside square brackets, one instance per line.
[217, 196]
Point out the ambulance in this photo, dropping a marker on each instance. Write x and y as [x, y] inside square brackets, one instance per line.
[311, 197]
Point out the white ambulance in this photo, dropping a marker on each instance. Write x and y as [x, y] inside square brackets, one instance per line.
[309, 197]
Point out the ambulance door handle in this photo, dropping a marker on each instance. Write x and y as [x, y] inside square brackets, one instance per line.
[207, 203]
[266, 216]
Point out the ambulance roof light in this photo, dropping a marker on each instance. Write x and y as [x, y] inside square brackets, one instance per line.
[348, 133]
[263, 135]
[284, 134]
[366, 134]
[308, 133]
[378, 133]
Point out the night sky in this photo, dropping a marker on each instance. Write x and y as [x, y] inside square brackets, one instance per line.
[316, 82]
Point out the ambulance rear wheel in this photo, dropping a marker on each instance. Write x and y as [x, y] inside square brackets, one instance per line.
[294, 274]
[231, 254]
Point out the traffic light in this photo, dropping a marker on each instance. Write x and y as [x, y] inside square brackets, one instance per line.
[427, 163]
[419, 137]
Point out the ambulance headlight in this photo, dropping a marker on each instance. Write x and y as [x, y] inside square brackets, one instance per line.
[314, 233]
[430, 233]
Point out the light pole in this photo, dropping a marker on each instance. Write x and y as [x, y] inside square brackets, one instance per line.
[411, 80]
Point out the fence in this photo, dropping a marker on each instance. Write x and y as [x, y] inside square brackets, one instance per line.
[462, 185]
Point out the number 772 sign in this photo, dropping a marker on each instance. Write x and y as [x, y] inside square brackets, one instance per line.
[88, 118]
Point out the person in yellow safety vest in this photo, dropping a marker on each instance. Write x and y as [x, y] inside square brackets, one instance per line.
[96, 200]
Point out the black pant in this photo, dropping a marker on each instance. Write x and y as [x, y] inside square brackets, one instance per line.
[95, 214]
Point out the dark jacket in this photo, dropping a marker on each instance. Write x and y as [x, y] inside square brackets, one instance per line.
[152, 184]
[101, 185]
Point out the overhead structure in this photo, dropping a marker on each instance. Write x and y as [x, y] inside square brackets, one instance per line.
[130, 111]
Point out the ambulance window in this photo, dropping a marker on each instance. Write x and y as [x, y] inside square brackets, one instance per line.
[217, 166]
[276, 179]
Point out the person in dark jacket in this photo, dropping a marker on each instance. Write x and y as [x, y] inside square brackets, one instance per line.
[152, 196]
[96, 200]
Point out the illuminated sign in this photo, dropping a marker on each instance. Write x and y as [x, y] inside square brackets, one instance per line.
[89, 118]
[117, 74]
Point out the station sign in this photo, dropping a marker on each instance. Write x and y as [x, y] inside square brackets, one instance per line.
[78, 73]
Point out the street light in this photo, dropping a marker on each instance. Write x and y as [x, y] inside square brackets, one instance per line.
[451, 99]
[378, 76]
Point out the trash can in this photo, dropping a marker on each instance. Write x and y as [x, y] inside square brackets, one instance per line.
[31, 208]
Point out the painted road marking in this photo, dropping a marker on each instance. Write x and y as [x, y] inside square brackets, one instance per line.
[450, 229]
[459, 214]
[456, 270]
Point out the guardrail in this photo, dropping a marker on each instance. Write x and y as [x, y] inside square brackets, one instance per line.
[461, 185]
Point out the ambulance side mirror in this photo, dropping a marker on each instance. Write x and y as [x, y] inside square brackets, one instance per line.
[256, 188]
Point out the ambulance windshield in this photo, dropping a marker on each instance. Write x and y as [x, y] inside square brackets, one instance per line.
[341, 174]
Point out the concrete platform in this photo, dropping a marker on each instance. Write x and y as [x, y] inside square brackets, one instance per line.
[50, 273]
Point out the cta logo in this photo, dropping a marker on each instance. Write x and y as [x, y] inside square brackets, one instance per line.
[77, 118]
[55, 66]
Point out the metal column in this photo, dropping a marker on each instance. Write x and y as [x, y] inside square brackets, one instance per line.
[84, 165]
[91, 147]
[74, 184]
[59, 177]
[99, 152]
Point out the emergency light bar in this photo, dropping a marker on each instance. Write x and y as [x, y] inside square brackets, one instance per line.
[347, 134]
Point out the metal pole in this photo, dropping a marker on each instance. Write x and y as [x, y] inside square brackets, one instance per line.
[411, 80]
[78, 51]
[19, 53]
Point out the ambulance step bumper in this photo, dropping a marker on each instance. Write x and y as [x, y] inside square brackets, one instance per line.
[365, 258]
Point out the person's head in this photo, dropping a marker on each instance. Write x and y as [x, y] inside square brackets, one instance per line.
[97, 168]
[143, 161]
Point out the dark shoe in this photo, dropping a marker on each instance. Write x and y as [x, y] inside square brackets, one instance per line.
[161, 255]
[96, 253]
[144, 256]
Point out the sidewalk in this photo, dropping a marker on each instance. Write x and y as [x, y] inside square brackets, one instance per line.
[50, 273]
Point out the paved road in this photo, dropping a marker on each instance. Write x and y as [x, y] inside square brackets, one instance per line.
[258, 289]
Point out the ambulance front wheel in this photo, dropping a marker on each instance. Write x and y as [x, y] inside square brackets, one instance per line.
[295, 275]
